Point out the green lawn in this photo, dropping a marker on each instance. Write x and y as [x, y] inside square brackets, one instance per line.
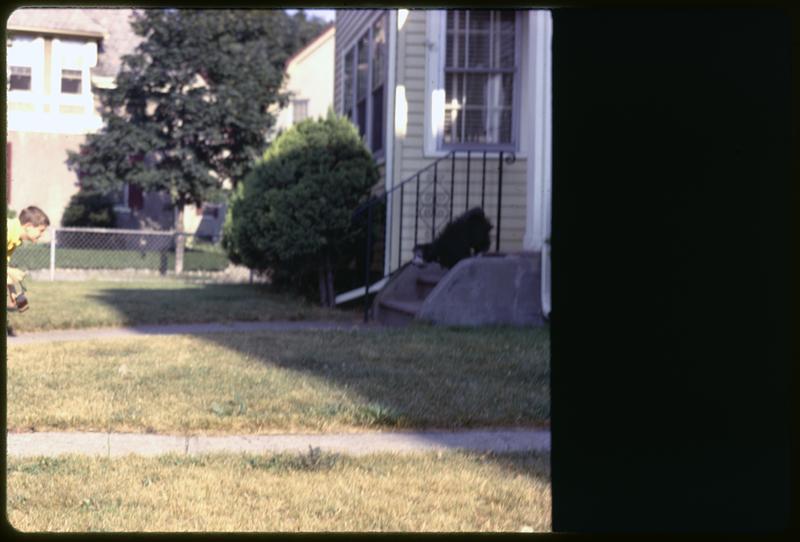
[195, 259]
[313, 493]
[75, 305]
[300, 381]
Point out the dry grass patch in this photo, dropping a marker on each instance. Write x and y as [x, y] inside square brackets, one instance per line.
[269, 382]
[315, 492]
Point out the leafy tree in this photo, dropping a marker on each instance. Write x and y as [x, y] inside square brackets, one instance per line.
[292, 216]
[190, 109]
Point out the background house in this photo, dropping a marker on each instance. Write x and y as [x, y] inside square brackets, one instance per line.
[58, 59]
[51, 56]
[310, 80]
[439, 95]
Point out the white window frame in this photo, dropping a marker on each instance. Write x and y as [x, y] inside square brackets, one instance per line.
[297, 101]
[380, 155]
[82, 57]
[33, 49]
[436, 32]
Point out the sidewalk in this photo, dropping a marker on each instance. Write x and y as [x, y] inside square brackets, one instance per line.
[175, 329]
[119, 444]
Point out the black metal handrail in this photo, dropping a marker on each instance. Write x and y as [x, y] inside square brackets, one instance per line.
[369, 205]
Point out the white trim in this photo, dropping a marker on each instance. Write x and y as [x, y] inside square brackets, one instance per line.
[538, 171]
[389, 137]
[34, 96]
[87, 59]
[360, 292]
[548, 172]
[434, 93]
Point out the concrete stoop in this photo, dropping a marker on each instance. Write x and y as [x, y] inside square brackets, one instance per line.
[489, 289]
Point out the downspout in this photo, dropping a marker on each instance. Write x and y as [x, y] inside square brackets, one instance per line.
[548, 165]
[390, 137]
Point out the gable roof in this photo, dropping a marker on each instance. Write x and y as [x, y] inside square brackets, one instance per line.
[54, 21]
[120, 39]
[325, 33]
[110, 26]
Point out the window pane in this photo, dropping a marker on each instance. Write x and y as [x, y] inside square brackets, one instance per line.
[505, 126]
[478, 55]
[476, 89]
[474, 126]
[507, 90]
[378, 53]
[299, 110]
[347, 99]
[479, 20]
[19, 78]
[70, 81]
[503, 35]
[361, 109]
[452, 126]
[376, 141]
[455, 51]
[454, 90]
[361, 71]
[449, 49]
[447, 134]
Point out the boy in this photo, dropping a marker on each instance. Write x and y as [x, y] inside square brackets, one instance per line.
[30, 226]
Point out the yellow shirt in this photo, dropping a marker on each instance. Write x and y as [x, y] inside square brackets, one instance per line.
[14, 236]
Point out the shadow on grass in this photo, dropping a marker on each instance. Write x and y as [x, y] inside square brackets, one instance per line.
[420, 377]
[202, 303]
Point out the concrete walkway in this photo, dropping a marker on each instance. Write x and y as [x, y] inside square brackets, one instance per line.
[177, 329]
[119, 444]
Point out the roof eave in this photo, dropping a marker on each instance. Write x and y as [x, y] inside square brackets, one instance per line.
[57, 32]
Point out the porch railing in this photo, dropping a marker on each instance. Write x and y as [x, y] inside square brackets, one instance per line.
[428, 197]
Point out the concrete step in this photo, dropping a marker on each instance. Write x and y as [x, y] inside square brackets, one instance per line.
[397, 312]
[427, 281]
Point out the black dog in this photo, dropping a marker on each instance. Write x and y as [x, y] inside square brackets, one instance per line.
[466, 236]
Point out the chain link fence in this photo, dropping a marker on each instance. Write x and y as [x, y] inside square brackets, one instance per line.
[133, 252]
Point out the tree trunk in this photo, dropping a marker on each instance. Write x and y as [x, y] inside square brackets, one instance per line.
[180, 239]
[329, 277]
[323, 287]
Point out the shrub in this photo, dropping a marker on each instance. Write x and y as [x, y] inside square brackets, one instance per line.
[291, 217]
[89, 209]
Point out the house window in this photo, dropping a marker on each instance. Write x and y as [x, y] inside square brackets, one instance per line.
[299, 110]
[378, 85]
[19, 78]
[480, 74]
[22, 54]
[70, 67]
[364, 84]
[71, 81]
[348, 84]
[362, 65]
